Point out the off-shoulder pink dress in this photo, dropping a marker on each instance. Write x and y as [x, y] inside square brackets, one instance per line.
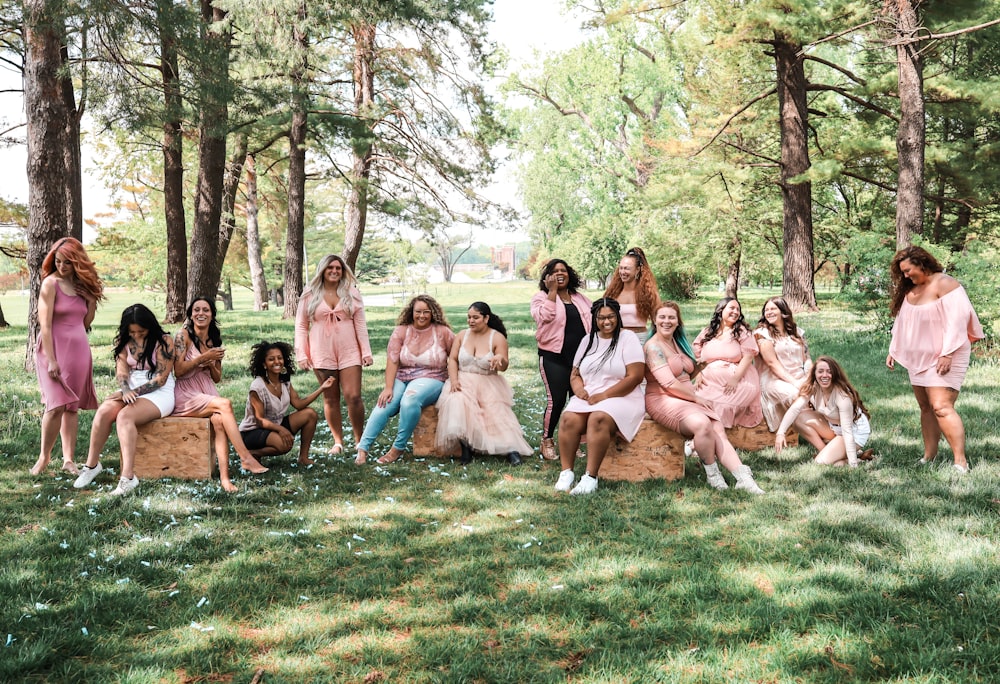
[663, 407]
[334, 338]
[722, 356]
[194, 390]
[74, 388]
[924, 333]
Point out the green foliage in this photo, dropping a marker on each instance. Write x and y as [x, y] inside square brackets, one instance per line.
[976, 268]
[866, 287]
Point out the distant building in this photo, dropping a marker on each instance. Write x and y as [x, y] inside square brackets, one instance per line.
[504, 260]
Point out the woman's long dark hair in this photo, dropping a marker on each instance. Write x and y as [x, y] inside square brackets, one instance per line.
[604, 303]
[791, 327]
[839, 380]
[573, 277]
[919, 257]
[139, 315]
[259, 352]
[714, 325]
[214, 334]
[492, 320]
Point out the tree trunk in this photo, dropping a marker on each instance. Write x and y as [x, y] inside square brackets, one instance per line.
[911, 132]
[295, 236]
[260, 298]
[798, 286]
[363, 149]
[173, 168]
[735, 262]
[46, 136]
[230, 189]
[3, 319]
[203, 270]
[71, 151]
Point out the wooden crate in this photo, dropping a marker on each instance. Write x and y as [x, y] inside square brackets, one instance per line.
[175, 447]
[758, 437]
[656, 452]
[423, 435]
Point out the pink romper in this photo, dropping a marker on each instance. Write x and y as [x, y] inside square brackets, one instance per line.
[924, 333]
[333, 339]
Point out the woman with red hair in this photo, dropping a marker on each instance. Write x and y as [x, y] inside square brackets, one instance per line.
[67, 302]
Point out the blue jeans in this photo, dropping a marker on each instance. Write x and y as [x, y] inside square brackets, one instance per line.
[408, 400]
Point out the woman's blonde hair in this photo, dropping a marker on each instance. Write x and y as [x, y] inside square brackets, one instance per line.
[347, 281]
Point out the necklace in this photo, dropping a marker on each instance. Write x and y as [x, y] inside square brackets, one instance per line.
[274, 386]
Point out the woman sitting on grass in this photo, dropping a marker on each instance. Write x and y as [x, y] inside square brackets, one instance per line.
[144, 370]
[838, 415]
[198, 367]
[671, 401]
[475, 410]
[265, 429]
[607, 371]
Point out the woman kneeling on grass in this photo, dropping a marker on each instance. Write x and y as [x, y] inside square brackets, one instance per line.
[672, 402]
[198, 367]
[607, 371]
[838, 415]
[144, 370]
[265, 429]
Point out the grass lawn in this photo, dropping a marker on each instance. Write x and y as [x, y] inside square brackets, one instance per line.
[426, 571]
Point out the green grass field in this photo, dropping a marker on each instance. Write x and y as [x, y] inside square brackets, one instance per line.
[426, 571]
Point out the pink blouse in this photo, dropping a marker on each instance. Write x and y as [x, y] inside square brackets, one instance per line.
[420, 353]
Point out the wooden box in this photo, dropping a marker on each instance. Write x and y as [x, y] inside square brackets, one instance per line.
[423, 435]
[656, 452]
[175, 447]
[757, 438]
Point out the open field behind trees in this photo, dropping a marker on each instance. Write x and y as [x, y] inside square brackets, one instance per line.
[426, 571]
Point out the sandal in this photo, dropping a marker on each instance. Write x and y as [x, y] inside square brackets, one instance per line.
[866, 455]
[361, 457]
[390, 457]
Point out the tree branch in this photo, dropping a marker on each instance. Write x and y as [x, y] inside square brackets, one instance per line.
[735, 114]
[843, 92]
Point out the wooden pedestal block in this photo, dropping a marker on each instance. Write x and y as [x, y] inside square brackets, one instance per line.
[757, 438]
[656, 452]
[423, 435]
[175, 447]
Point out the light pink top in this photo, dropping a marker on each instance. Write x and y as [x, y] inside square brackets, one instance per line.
[924, 333]
[333, 339]
[420, 353]
[630, 317]
[722, 357]
[838, 410]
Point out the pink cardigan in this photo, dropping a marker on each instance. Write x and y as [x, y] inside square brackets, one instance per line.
[550, 319]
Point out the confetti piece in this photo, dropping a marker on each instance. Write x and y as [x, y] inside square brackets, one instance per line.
[359, 538]
[202, 602]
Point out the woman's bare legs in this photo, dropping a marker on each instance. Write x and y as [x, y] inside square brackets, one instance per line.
[601, 429]
[51, 427]
[68, 431]
[222, 452]
[331, 407]
[350, 385]
[100, 429]
[834, 453]
[572, 426]
[130, 417]
[937, 416]
[304, 420]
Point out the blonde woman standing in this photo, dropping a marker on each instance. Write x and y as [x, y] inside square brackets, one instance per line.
[331, 338]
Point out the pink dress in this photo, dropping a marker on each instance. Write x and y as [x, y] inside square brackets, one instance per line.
[776, 395]
[74, 389]
[333, 339]
[194, 390]
[924, 333]
[482, 413]
[663, 407]
[599, 374]
[721, 357]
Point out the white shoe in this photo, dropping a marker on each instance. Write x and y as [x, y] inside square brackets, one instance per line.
[586, 485]
[565, 481]
[125, 486]
[745, 481]
[714, 477]
[960, 469]
[87, 476]
[689, 449]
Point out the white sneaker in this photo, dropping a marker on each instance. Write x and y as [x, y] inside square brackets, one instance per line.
[689, 449]
[586, 485]
[87, 476]
[745, 481]
[565, 481]
[125, 486]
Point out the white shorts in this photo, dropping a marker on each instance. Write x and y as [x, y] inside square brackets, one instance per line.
[862, 430]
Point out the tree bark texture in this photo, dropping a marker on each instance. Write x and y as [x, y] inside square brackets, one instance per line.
[295, 235]
[203, 271]
[230, 190]
[911, 133]
[363, 149]
[173, 169]
[260, 298]
[46, 136]
[797, 285]
[735, 262]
